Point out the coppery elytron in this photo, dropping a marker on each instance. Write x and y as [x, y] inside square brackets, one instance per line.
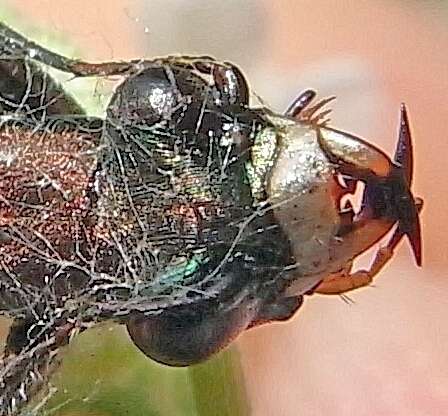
[185, 213]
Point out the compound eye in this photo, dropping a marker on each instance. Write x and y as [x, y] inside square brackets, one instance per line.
[149, 97]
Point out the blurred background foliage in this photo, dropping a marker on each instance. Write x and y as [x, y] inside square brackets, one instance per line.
[104, 374]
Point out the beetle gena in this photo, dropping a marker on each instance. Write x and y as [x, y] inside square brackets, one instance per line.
[186, 213]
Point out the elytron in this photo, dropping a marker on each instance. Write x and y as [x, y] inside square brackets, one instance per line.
[186, 213]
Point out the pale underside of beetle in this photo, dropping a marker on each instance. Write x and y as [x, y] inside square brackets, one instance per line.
[185, 213]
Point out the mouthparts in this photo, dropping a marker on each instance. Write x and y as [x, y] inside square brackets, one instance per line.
[390, 197]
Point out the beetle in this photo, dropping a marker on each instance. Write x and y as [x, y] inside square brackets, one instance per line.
[186, 213]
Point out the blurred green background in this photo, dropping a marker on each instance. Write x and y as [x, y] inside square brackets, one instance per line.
[104, 374]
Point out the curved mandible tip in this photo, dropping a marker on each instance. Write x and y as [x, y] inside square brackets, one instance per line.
[353, 154]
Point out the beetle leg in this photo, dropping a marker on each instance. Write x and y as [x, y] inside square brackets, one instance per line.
[16, 46]
[300, 103]
[25, 87]
[300, 111]
[28, 363]
[13, 44]
[345, 280]
[17, 337]
[313, 116]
